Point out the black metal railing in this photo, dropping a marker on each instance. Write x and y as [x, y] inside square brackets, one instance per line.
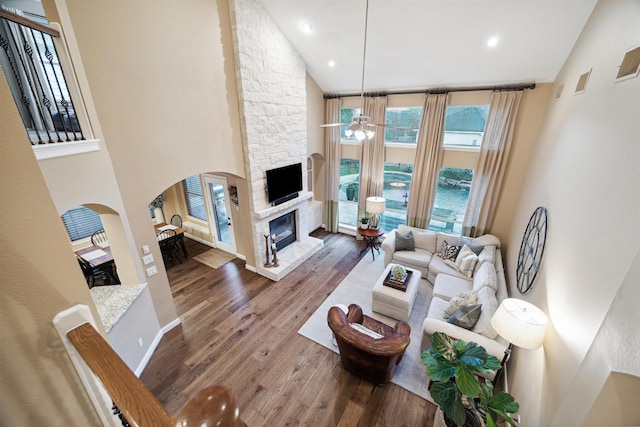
[32, 68]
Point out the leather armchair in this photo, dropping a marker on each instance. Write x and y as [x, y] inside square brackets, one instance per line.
[373, 359]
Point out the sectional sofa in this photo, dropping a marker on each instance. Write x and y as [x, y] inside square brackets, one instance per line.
[454, 283]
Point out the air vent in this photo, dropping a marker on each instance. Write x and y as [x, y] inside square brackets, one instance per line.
[630, 65]
[582, 83]
[559, 91]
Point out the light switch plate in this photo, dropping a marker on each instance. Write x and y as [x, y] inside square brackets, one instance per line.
[147, 259]
[145, 249]
[152, 270]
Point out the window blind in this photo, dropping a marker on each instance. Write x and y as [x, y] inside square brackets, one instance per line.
[81, 222]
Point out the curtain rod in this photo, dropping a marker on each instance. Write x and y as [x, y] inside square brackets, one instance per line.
[500, 88]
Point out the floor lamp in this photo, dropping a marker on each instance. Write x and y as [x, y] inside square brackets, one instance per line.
[520, 323]
[375, 206]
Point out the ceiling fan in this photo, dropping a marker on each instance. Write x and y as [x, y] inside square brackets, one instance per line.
[361, 126]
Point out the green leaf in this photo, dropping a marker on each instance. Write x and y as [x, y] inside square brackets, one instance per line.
[490, 422]
[467, 382]
[442, 343]
[503, 401]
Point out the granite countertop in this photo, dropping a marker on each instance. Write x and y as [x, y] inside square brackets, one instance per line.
[113, 301]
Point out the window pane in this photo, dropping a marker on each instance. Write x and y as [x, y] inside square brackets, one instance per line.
[464, 126]
[406, 118]
[450, 204]
[396, 187]
[193, 197]
[348, 199]
[81, 222]
[346, 116]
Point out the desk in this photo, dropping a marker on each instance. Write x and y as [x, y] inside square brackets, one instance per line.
[101, 258]
[179, 235]
[371, 239]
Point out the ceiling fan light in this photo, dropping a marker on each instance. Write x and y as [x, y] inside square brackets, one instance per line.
[348, 133]
[360, 135]
[370, 134]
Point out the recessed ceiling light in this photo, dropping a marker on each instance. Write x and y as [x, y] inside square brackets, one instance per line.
[493, 41]
[306, 27]
[332, 63]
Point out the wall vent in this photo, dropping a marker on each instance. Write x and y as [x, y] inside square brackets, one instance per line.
[582, 83]
[630, 65]
[559, 91]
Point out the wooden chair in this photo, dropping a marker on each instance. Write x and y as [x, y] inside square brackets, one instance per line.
[99, 238]
[168, 242]
[176, 220]
[90, 273]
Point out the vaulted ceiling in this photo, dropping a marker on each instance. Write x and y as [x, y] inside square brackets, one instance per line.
[418, 44]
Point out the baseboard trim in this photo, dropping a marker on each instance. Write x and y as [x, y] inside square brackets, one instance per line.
[152, 348]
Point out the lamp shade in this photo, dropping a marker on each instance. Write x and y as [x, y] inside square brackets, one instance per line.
[521, 323]
[375, 205]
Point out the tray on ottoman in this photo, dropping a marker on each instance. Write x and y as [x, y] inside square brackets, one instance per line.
[400, 285]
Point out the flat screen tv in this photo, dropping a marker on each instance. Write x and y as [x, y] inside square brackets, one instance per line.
[284, 183]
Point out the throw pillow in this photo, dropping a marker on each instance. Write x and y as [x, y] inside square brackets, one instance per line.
[466, 261]
[449, 251]
[405, 242]
[486, 297]
[463, 298]
[364, 330]
[466, 316]
[475, 247]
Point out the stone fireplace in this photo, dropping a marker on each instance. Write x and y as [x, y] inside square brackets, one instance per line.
[271, 82]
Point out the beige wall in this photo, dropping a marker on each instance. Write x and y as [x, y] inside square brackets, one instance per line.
[585, 171]
[39, 277]
[161, 117]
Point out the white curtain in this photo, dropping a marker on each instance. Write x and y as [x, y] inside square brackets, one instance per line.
[31, 73]
[492, 163]
[372, 154]
[332, 158]
[429, 155]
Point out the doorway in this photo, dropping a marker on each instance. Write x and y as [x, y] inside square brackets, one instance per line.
[220, 211]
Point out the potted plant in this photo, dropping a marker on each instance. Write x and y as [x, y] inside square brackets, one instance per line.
[452, 366]
[364, 222]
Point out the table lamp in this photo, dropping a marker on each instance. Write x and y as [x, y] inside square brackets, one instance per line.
[521, 323]
[375, 206]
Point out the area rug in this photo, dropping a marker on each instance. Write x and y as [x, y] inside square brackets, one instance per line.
[356, 288]
[214, 258]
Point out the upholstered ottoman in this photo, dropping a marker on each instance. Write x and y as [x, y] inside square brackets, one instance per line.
[392, 302]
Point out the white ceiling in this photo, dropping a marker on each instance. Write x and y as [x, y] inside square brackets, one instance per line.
[418, 44]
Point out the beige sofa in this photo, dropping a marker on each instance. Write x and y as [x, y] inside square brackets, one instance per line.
[487, 281]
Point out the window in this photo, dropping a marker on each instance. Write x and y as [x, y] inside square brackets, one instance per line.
[81, 222]
[464, 126]
[396, 189]
[349, 186]
[346, 116]
[450, 204]
[405, 122]
[193, 197]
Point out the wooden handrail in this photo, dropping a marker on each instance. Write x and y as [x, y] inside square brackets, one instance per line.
[28, 22]
[212, 406]
[137, 404]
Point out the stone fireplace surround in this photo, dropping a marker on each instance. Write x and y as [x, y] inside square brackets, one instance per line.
[295, 253]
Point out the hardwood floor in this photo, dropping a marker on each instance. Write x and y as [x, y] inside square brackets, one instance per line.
[239, 330]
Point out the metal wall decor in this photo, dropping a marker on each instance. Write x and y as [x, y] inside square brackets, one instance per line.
[531, 250]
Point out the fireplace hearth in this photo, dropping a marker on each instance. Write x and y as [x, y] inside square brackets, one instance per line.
[284, 228]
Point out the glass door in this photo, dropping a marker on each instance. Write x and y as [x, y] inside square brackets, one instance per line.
[220, 211]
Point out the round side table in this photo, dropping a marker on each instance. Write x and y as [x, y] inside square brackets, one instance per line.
[371, 239]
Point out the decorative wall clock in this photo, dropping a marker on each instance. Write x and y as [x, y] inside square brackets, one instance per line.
[531, 250]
